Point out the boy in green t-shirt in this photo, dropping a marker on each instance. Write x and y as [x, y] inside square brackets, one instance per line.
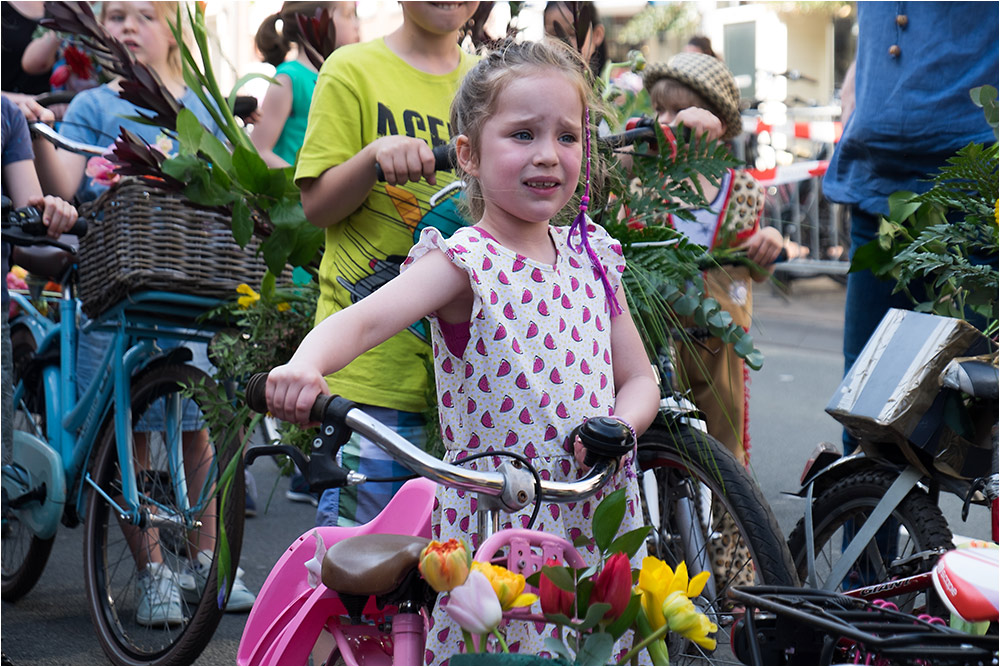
[387, 102]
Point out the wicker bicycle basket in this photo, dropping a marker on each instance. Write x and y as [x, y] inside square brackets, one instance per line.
[141, 237]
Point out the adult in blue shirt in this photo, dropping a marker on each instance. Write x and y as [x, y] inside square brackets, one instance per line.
[916, 63]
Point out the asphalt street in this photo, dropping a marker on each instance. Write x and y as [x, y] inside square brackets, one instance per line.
[799, 332]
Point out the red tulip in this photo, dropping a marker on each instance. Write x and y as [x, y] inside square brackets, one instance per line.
[554, 599]
[614, 586]
[59, 76]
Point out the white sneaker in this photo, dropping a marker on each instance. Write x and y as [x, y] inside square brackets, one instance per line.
[159, 598]
[192, 583]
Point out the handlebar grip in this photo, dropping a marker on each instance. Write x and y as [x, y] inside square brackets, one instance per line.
[50, 99]
[628, 137]
[27, 220]
[256, 398]
[444, 160]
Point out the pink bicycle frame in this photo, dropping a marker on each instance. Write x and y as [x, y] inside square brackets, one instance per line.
[289, 615]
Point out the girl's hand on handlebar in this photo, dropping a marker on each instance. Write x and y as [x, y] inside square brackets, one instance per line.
[292, 390]
[404, 159]
[57, 214]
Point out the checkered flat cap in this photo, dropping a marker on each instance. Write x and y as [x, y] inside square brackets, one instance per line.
[707, 76]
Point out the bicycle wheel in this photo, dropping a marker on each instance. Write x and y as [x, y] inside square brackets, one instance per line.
[710, 514]
[24, 554]
[123, 563]
[917, 525]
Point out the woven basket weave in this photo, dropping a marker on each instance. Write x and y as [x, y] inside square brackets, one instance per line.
[141, 237]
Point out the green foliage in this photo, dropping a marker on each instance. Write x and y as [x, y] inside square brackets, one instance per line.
[262, 199]
[664, 279]
[655, 20]
[946, 238]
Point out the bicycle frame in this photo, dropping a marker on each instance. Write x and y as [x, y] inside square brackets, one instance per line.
[73, 425]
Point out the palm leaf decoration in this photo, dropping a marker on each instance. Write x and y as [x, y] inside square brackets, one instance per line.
[664, 279]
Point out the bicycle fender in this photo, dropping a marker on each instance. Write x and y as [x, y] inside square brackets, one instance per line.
[177, 356]
[36, 469]
[34, 325]
[838, 470]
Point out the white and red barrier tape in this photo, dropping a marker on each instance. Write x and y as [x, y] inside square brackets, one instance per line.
[792, 173]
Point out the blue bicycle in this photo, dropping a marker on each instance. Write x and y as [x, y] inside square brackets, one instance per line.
[130, 457]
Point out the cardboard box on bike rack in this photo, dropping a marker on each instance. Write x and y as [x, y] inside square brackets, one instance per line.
[883, 399]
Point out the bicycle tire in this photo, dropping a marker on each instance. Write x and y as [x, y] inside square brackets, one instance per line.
[852, 499]
[110, 567]
[686, 463]
[24, 554]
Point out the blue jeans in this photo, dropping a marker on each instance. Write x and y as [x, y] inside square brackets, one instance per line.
[91, 349]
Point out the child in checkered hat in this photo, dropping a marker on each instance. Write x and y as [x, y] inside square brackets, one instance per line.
[700, 92]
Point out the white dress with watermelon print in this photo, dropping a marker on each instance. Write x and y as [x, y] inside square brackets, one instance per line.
[537, 364]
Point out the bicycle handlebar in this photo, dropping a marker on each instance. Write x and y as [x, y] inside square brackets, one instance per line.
[58, 140]
[445, 159]
[334, 410]
[24, 226]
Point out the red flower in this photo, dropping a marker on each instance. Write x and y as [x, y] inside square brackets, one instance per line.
[614, 586]
[59, 76]
[554, 599]
[79, 62]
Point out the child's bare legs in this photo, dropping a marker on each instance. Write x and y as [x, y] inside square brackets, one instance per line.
[145, 544]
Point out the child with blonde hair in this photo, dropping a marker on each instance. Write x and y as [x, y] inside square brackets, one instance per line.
[531, 334]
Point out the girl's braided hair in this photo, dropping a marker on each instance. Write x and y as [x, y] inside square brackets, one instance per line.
[478, 95]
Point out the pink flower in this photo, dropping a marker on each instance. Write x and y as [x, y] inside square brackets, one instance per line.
[102, 171]
[14, 281]
[474, 605]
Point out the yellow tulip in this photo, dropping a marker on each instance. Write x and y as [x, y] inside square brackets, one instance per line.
[507, 585]
[657, 580]
[251, 297]
[445, 566]
[685, 620]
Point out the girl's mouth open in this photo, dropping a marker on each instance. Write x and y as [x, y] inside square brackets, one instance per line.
[544, 185]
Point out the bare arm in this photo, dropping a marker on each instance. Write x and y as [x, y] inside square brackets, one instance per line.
[341, 189]
[59, 171]
[637, 396]
[40, 54]
[274, 112]
[342, 337]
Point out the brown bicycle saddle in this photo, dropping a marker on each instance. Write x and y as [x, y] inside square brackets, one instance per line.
[46, 261]
[371, 564]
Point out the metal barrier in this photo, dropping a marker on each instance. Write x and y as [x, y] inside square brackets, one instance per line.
[788, 151]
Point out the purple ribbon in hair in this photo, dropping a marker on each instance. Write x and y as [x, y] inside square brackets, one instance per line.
[580, 224]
